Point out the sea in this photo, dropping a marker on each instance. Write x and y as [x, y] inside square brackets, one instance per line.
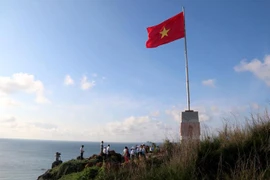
[28, 159]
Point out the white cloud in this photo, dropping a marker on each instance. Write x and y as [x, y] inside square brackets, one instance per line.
[209, 82]
[8, 102]
[29, 131]
[203, 117]
[8, 119]
[131, 129]
[255, 106]
[205, 113]
[85, 84]
[103, 118]
[8, 122]
[68, 80]
[20, 81]
[18, 127]
[23, 82]
[175, 113]
[155, 113]
[261, 69]
[214, 108]
[134, 129]
[94, 75]
[43, 125]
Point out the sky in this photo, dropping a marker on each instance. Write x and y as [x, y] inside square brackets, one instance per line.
[80, 71]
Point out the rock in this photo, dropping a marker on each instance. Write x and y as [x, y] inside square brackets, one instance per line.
[56, 163]
[79, 158]
[46, 176]
[94, 156]
[91, 163]
[98, 158]
[116, 157]
[112, 152]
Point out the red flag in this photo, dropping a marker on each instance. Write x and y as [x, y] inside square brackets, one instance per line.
[167, 31]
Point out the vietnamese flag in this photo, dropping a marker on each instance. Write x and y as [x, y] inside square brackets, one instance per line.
[167, 31]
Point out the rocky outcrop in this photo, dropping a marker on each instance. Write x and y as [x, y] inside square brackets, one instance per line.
[60, 169]
[46, 176]
[56, 163]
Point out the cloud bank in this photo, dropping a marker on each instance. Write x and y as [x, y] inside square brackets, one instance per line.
[22, 82]
[261, 69]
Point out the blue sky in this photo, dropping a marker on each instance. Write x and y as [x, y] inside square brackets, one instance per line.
[118, 88]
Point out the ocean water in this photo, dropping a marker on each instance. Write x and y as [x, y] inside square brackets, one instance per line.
[27, 159]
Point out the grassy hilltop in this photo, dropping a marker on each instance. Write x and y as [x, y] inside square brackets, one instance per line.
[235, 153]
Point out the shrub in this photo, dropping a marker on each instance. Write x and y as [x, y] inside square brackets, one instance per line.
[89, 173]
[72, 166]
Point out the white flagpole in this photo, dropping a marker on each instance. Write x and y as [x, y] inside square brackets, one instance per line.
[186, 58]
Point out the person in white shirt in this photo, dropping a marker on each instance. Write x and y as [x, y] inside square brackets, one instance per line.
[108, 151]
[82, 151]
[104, 150]
[132, 153]
[151, 149]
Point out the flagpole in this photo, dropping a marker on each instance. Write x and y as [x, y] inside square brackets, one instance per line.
[186, 59]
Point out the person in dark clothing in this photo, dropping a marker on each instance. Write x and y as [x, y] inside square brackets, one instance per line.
[101, 148]
[57, 156]
[126, 154]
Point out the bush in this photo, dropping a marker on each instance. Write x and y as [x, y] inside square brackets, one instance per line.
[89, 173]
[72, 166]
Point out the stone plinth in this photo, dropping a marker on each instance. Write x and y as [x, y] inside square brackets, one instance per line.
[190, 126]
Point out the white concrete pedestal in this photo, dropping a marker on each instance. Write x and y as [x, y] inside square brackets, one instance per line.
[190, 126]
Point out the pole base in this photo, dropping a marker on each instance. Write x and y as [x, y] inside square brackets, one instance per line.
[190, 125]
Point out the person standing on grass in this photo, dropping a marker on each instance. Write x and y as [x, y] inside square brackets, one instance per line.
[140, 151]
[108, 151]
[101, 148]
[151, 149]
[137, 151]
[82, 151]
[104, 151]
[143, 150]
[132, 153]
[57, 156]
[126, 154]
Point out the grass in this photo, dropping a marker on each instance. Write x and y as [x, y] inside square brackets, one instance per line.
[86, 174]
[239, 152]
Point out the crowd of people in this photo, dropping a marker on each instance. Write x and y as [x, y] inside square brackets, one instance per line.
[137, 151]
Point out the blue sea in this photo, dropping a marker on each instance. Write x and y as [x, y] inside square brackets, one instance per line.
[27, 159]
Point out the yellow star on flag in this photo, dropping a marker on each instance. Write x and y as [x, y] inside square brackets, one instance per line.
[164, 32]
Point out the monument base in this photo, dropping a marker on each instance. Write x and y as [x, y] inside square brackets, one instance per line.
[190, 125]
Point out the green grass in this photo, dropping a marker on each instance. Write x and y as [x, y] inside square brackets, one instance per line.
[86, 174]
[241, 152]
